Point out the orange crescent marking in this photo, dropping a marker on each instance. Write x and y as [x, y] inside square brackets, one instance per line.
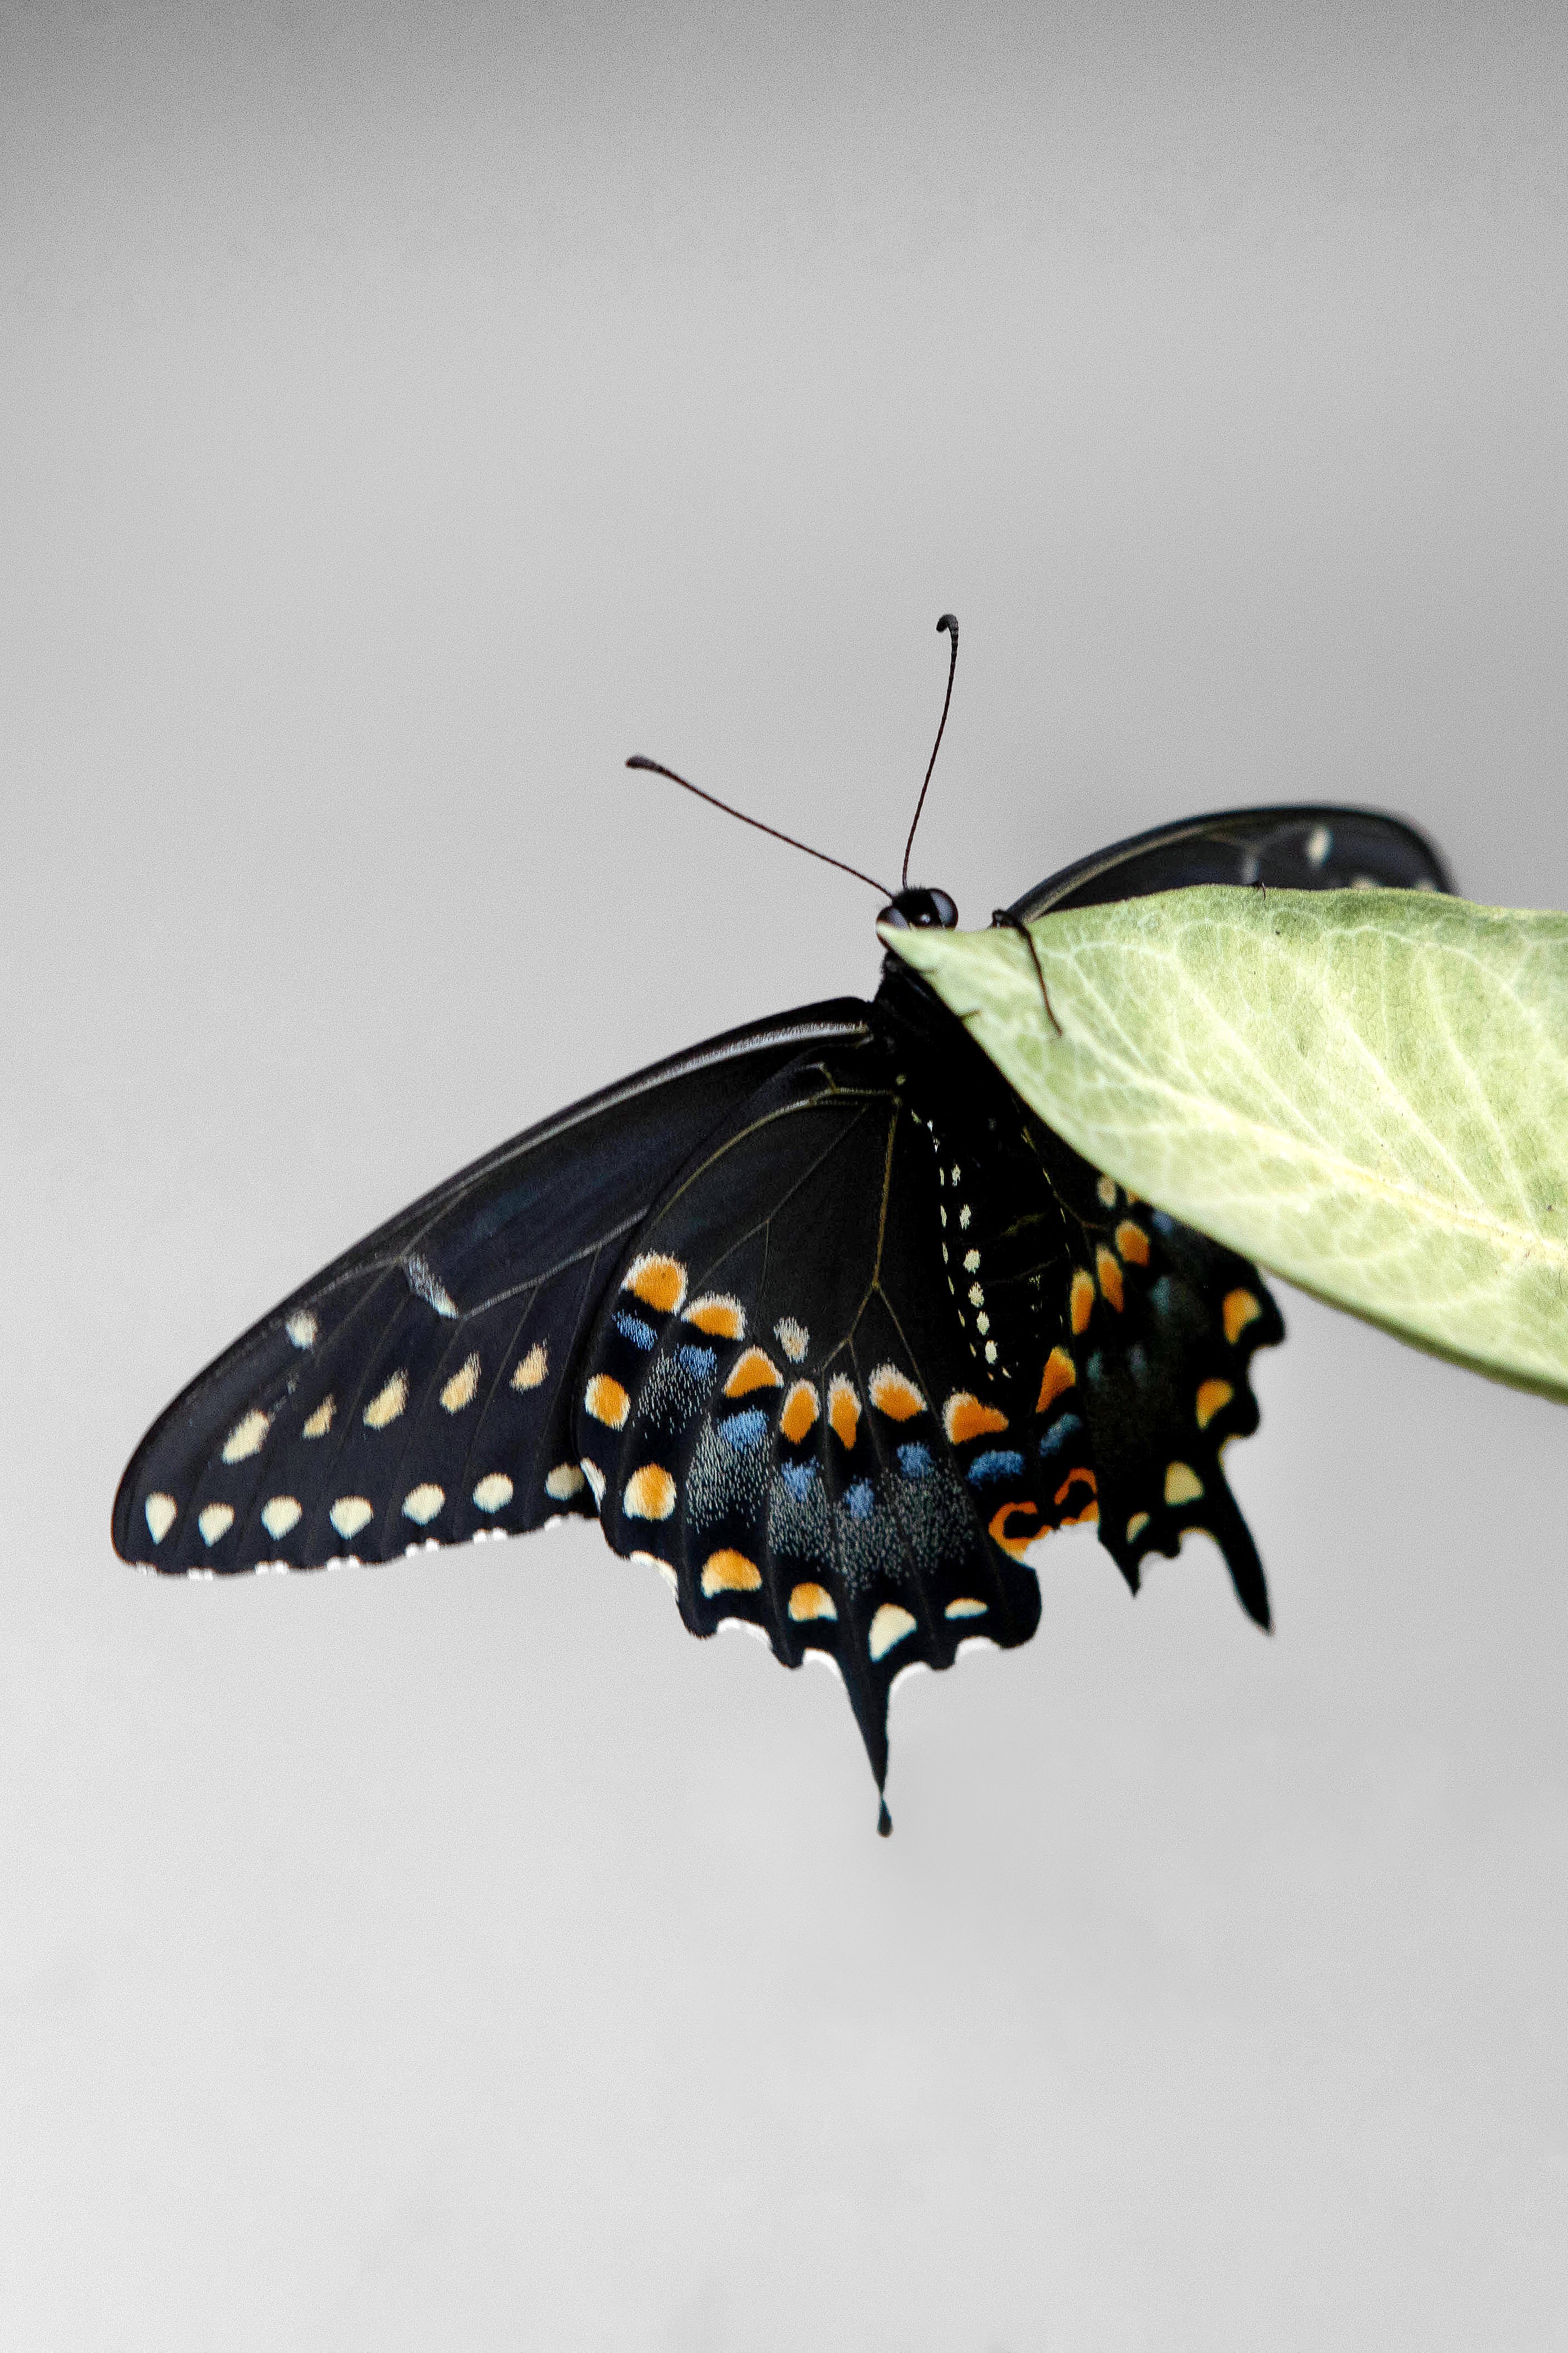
[1109, 1275]
[1132, 1243]
[1239, 1309]
[1059, 1373]
[1015, 1545]
[1080, 1301]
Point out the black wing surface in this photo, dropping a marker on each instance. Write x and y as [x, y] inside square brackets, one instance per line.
[762, 1407]
[421, 1387]
[1296, 847]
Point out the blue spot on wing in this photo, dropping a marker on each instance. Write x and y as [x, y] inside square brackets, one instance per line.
[1067, 1432]
[743, 1430]
[861, 1500]
[798, 1477]
[699, 1362]
[632, 1328]
[1000, 1462]
[914, 1460]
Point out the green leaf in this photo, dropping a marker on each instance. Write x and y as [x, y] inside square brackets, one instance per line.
[1365, 1090]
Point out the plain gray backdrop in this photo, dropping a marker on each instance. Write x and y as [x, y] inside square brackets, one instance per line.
[407, 413]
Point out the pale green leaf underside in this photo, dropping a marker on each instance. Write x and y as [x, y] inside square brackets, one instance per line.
[1366, 1092]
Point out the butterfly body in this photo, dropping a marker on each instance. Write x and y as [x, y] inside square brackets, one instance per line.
[818, 1318]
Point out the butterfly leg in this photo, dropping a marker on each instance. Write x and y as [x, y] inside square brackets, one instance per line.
[1012, 923]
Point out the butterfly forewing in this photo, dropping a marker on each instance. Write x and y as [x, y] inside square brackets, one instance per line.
[420, 1387]
[1298, 846]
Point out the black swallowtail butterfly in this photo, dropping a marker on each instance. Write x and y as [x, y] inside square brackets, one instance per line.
[818, 1318]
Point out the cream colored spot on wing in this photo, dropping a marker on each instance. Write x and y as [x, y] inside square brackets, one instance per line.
[658, 1281]
[566, 1479]
[1239, 1309]
[318, 1423]
[422, 1503]
[494, 1492]
[349, 1514]
[1319, 841]
[721, 1317]
[595, 1478]
[808, 1599]
[843, 1409]
[729, 1572]
[279, 1514]
[463, 1386]
[387, 1403]
[303, 1328]
[1183, 1484]
[245, 1439]
[964, 1608]
[793, 1338]
[528, 1371]
[161, 1513]
[1106, 1188]
[649, 1494]
[607, 1402]
[894, 1394]
[971, 1262]
[890, 1625]
[1136, 1526]
[214, 1521]
[800, 1411]
[1213, 1398]
[754, 1370]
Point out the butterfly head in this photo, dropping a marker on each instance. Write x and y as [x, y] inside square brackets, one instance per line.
[920, 911]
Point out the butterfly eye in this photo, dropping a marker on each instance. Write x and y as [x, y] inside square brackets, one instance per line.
[920, 911]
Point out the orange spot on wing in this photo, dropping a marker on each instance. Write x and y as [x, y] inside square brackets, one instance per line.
[1110, 1274]
[896, 1396]
[658, 1281]
[721, 1317]
[650, 1493]
[1059, 1373]
[607, 1401]
[963, 1417]
[754, 1370]
[1019, 1544]
[1080, 1301]
[729, 1572]
[800, 1411]
[1239, 1309]
[1212, 1396]
[809, 1599]
[1132, 1243]
[843, 1409]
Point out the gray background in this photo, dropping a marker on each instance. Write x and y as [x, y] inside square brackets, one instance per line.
[404, 420]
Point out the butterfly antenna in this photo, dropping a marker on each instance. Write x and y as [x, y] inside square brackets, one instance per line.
[949, 622]
[659, 769]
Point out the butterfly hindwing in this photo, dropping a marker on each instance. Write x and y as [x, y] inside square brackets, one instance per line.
[419, 1388]
[759, 1404]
